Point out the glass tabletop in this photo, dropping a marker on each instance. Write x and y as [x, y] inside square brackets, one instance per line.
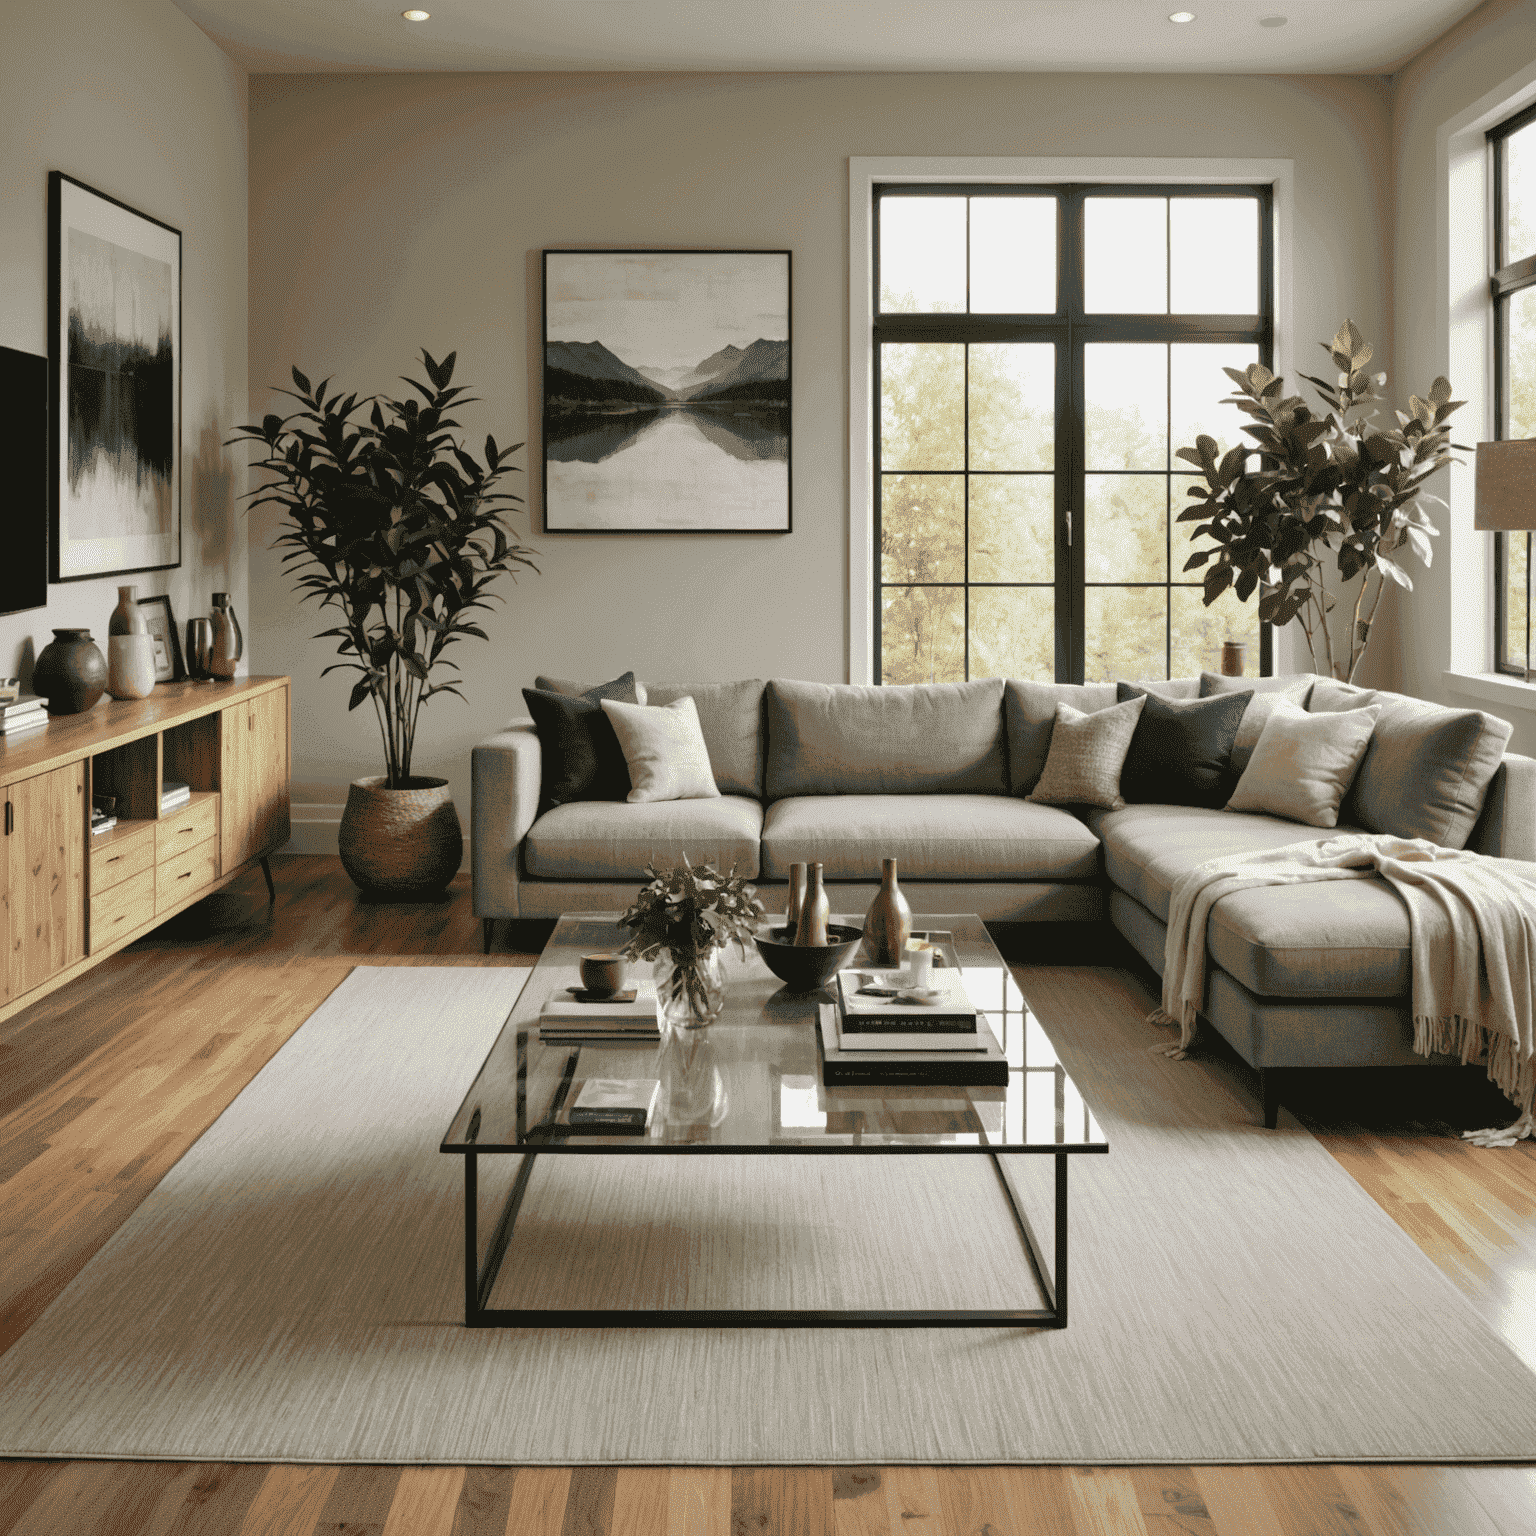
[765, 1046]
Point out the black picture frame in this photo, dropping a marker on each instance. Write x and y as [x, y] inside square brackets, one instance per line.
[162, 625]
[115, 474]
[667, 378]
[24, 452]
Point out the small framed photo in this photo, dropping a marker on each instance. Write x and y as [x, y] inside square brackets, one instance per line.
[162, 626]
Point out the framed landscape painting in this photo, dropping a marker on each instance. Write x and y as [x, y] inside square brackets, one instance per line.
[666, 392]
[114, 289]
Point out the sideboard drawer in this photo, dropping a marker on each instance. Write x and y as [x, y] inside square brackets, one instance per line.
[176, 879]
[186, 828]
[122, 908]
[127, 850]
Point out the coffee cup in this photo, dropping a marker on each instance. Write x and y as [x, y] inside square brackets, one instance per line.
[920, 962]
[602, 975]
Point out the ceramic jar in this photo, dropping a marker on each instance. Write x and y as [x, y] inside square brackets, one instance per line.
[127, 618]
[228, 643]
[131, 665]
[71, 672]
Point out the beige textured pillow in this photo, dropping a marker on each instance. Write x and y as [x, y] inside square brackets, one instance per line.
[665, 751]
[1265, 691]
[1086, 756]
[1303, 764]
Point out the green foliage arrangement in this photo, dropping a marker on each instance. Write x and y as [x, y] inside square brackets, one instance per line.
[392, 522]
[687, 912]
[1339, 483]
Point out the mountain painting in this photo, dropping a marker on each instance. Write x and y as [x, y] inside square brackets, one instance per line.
[117, 302]
[666, 391]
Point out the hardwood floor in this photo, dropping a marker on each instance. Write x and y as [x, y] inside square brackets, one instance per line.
[104, 1084]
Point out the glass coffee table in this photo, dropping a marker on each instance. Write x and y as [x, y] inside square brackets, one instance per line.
[766, 1047]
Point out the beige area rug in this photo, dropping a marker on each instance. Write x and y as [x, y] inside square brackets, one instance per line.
[291, 1290]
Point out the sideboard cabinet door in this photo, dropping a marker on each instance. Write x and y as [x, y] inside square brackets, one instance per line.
[253, 777]
[45, 876]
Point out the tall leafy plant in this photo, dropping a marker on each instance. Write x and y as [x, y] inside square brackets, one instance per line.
[389, 520]
[1310, 487]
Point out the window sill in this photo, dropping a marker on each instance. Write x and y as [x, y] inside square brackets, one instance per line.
[1493, 688]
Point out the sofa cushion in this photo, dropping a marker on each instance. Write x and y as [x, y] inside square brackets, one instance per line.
[848, 739]
[731, 718]
[1029, 716]
[1427, 768]
[1267, 692]
[602, 840]
[1147, 847]
[580, 757]
[576, 690]
[1181, 753]
[932, 837]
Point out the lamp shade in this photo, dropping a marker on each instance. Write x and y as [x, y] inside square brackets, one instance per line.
[1506, 485]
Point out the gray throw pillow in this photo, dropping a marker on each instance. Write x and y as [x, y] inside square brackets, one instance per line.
[1086, 756]
[1029, 711]
[1427, 768]
[1265, 690]
[1303, 764]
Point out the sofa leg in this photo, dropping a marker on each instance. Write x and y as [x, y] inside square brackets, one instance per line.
[1269, 1092]
[488, 927]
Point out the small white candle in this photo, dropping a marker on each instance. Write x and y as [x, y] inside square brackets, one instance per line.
[920, 955]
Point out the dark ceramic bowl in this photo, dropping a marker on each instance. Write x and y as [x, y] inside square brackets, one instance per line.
[803, 970]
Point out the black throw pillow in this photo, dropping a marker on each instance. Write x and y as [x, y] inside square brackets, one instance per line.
[580, 757]
[1181, 753]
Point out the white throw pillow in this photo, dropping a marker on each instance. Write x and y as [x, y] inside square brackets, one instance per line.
[1303, 764]
[665, 750]
[1086, 756]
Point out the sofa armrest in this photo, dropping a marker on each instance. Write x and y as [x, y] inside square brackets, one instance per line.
[505, 776]
[1507, 826]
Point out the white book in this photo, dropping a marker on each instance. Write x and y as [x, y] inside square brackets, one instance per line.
[951, 1012]
[562, 1008]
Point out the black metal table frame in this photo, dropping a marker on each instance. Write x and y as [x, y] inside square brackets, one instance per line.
[479, 1279]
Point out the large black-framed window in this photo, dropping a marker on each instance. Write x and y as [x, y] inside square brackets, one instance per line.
[1040, 353]
[1512, 285]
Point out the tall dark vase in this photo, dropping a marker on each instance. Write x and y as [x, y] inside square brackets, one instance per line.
[814, 912]
[71, 673]
[888, 923]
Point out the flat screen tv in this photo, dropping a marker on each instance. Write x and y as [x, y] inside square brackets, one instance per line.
[23, 480]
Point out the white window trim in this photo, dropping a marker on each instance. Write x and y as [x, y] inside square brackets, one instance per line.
[863, 173]
[1465, 323]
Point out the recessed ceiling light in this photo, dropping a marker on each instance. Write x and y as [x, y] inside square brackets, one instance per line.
[417, 15]
[1181, 16]
[1273, 21]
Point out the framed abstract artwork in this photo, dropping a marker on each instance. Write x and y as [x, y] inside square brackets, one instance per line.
[667, 391]
[114, 290]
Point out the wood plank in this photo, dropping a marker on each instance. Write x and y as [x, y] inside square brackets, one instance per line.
[589, 1502]
[97, 1498]
[973, 1500]
[1104, 1502]
[1038, 1499]
[912, 1500]
[1170, 1501]
[426, 1502]
[1237, 1501]
[699, 1501]
[858, 1502]
[289, 1501]
[219, 1496]
[484, 1501]
[640, 1501]
[21, 1484]
[359, 1502]
[538, 1502]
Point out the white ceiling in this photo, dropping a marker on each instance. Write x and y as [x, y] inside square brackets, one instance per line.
[1319, 36]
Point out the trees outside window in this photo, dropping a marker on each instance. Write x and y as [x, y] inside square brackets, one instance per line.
[1039, 353]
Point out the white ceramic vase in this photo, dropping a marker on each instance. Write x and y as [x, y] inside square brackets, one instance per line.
[131, 666]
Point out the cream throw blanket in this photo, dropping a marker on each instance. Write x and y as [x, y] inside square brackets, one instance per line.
[1472, 922]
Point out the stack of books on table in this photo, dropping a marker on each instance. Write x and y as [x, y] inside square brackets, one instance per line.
[874, 1034]
[629, 1017]
[614, 1106]
[173, 795]
[21, 714]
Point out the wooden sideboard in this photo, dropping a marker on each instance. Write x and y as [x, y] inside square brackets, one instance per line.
[71, 898]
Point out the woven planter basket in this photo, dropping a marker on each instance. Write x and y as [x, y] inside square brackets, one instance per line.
[401, 842]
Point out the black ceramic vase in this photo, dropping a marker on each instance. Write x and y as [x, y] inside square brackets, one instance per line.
[71, 673]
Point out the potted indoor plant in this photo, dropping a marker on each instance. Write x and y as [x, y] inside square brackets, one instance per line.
[391, 522]
[1344, 484]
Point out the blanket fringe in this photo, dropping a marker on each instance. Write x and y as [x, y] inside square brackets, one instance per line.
[1171, 1048]
[1503, 1136]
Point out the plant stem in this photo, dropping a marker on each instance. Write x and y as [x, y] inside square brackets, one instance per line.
[1381, 582]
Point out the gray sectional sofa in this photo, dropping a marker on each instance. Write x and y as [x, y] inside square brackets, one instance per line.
[1300, 977]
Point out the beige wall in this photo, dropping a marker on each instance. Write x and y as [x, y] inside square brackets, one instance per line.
[132, 99]
[394, 212]
[1448, 609]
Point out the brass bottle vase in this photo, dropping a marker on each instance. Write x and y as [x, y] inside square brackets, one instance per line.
[888, 923]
